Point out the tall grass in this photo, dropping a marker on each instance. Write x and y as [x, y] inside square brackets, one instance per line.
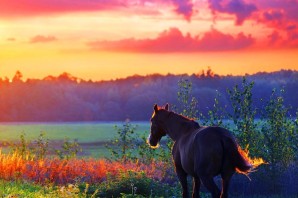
[15, 167]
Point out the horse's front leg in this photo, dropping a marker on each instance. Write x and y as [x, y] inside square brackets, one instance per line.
[196, 187]
[183, 180]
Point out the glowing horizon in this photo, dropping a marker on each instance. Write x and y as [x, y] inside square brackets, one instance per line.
[103, 40]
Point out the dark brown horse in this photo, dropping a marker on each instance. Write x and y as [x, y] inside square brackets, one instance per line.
[202, 152]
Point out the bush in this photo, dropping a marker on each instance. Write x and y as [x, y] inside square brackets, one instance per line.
[131, 183]
[122, 147]
[280, 139]
[243, 116]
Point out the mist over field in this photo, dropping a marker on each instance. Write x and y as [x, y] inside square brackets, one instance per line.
[68, 98]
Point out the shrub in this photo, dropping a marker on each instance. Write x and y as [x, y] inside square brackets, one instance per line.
[243, 115]
[69, 149]
[122, 147]
[136, 184]
[280, 139]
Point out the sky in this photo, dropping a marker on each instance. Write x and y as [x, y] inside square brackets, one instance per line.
[110, 39]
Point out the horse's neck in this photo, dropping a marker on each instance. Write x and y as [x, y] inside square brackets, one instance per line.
[178, 126]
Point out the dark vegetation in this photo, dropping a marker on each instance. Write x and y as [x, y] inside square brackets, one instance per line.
[67, 98]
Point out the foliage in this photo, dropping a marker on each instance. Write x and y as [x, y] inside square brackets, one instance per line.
[69, 149]
[22, 148]
[145, 153]
[128, 146]
[122, 147]
[135, 184]
[187, 104]
[20, 189]
[216, 114]
[38, 149]
[61, 171]
[41, 146]
[243, 115]
[280, 138]
[30, 190]
[279, 131]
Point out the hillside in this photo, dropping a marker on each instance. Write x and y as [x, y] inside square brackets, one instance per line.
[67, 98]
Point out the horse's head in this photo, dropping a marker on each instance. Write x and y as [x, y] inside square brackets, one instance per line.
[157, 130]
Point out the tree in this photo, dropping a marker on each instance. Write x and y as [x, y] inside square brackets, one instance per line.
[280, 138]
[123, 146]
[280, 132]
[243, 116]
[187, 104]
[17, 77]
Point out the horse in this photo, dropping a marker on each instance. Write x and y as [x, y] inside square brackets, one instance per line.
[199, 151]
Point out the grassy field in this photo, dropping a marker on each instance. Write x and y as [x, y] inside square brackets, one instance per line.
[15, 189]
[83, 131]
[92, 136]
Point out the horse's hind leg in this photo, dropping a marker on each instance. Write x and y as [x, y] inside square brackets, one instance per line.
[183, 180]
[211, 186]
[196, 187]
[226, 177]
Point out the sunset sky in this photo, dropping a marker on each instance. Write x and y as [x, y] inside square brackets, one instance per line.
[109, 39]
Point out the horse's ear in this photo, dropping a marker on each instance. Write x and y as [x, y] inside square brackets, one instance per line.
[155, 108]
[167, 107]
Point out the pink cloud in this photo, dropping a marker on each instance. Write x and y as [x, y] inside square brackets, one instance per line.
[20, 8]
[184, 7]
[173, 40]
[181, 7]
[287, 7]
[290, 40]
[277, 14]
[25, 8]
[239, 8]
[42, 39]
[274, 37]
[272, 15]
[292, 35]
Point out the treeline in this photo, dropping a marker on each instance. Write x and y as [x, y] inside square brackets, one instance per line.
[67, 98]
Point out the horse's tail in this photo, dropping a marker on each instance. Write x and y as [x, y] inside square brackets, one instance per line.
[238, 157]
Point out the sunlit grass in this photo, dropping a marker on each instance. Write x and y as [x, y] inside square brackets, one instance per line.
[17, 189]
[14, 167]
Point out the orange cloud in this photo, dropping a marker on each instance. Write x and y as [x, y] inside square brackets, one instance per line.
[173, 40]
[42, 39]
[11, 39]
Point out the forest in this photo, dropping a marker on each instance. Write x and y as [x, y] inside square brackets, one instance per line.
[69, 98]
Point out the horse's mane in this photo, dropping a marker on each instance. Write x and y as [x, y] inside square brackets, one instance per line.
[187, 121]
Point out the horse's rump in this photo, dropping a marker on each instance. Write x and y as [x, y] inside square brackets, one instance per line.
[221, 141]
[235, 154]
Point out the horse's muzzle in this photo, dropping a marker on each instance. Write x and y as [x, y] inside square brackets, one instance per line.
[153, 143]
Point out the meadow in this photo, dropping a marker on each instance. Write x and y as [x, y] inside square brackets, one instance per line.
[91, 136]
